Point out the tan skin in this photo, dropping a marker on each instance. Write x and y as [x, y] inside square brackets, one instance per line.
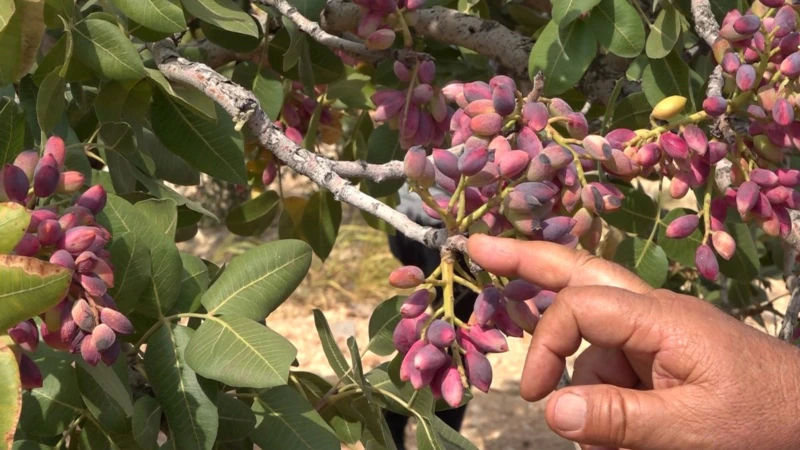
[664, 371]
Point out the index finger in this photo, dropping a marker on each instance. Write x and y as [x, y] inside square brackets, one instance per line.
[605, 317]
[549, 265]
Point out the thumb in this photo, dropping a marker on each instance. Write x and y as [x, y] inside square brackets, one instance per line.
[610, 416]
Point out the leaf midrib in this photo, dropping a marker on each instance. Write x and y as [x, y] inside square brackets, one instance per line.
[614, 24]
[241, 338]
[178, 366]
[248, 285]
[55, 279]
[276, 413]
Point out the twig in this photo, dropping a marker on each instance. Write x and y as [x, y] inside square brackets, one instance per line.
[244, 108]
[316, 32]
[538, 88]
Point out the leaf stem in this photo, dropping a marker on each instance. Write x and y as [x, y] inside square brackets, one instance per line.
[163, 321]
[72, 426]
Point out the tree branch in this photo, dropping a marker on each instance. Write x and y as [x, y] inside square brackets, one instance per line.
[376, 172]
[705, 25]
[244, 108]
[449, 26]
[409, 57]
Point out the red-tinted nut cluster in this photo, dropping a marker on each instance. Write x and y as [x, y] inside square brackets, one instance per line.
[86, 321]
[428, 344]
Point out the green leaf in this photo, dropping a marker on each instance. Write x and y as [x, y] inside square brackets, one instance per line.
[158, 189]
[664, 33]
[14, 220]
[297, 45]
[189, 401]
[267, 87]
[169, 166]
[112, 415]
[450, 438]
[645, 258]
[11, 48]
[375, 222]
[382, 324]
[258, 281]
[354, 91]
[563, 56]
[383, 146]
[194, 284]
[119, 137]
[158, 15]
[635, 70]
[206, 146]
[134, 237]
[670, 76]
[124, 102]
[225, 14]
[566, 11]
[285, 420]
[321, 219]
[48, 410]
[679, 250]
[29, 445]
[618, 28]
[240, 352]
[358, 369]
[188, 96]
[427, 437]
[105, 49]
[29, 287]
[146, 422]
[10, 395]
[332, 352]
[326, 66]
[632, 112]
[6, 11]
[162, 212]
[637, 215]
[612, 103]
[12, 131]
[745, 263]
[253, 217]
[230, 40]
[50, 103]
[236, 420]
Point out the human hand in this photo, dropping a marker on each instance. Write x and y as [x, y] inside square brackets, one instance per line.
[664, 371]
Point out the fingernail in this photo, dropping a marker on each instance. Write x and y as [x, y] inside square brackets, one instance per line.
[570, 414]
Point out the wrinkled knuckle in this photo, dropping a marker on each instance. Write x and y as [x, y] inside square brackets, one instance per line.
[611, 417]
[584, 259]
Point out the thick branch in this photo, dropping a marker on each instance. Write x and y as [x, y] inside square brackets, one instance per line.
[376, 172]
[705, 25]
[355, 48]
[244, 108]
[449, 26]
